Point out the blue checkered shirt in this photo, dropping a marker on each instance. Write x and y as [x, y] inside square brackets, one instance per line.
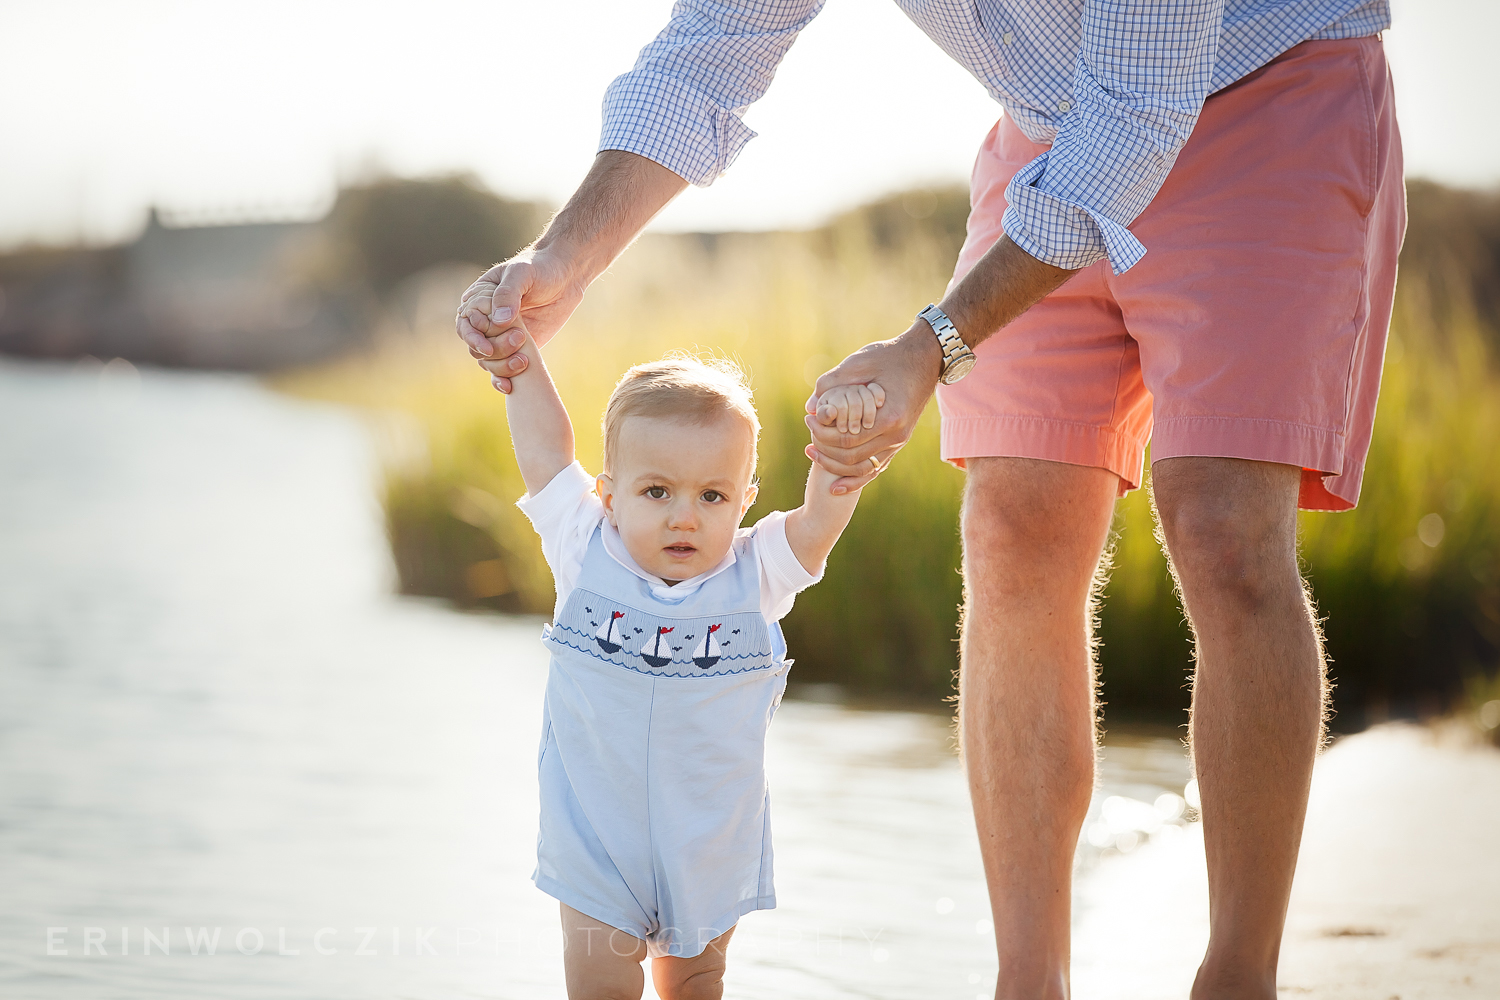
[1114, 86]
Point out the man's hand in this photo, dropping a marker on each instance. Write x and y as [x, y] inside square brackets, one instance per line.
[908, 369]
[1002, 285]
[530, 293]
[537, 290]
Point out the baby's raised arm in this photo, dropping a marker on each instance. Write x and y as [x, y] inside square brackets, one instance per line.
[540, 430]
[813, 528]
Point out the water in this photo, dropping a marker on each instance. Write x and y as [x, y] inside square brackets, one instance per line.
[218, 729]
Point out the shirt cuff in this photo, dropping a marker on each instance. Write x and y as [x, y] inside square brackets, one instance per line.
[1059, 232]
[670, 123]
[559, 496]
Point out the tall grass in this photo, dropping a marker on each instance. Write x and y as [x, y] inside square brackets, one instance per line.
[1413, 605]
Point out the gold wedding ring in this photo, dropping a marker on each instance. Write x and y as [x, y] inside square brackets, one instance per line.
[876, 462]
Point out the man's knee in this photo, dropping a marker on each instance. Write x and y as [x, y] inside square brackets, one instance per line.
[1230, 527]
[1030, 524]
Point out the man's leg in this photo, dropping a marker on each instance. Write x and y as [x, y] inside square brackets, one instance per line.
[1258, 693]
[1033, 535]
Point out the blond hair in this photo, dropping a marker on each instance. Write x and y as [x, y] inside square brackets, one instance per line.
[683, 386]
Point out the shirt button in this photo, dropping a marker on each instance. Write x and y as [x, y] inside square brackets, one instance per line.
[1008, 37]
[1065, 106]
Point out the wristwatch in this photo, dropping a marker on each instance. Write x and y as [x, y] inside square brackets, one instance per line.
[958, 360]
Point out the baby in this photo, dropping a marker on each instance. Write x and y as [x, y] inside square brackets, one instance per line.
[667, 665]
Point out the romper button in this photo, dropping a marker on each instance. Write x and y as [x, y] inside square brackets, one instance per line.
[1065, 106]
[1008, 37]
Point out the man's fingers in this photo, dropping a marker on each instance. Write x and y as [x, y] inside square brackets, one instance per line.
[849, 478]
[828, 382]
[837, 377]
[841, 468]
[843, 447]
[498, 347]
[505, 302]
[503, 384]
[513, 365]
[479, 344]
[490, 277]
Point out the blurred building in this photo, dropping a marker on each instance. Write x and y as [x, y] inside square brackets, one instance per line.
[242, 296]
[253, 295]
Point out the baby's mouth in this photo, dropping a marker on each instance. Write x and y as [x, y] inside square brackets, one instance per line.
[681, 549]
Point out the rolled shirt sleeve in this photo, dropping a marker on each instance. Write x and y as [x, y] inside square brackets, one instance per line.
[1144, 70]
[681, 105]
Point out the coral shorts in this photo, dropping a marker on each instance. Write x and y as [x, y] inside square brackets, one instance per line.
[1255, 325]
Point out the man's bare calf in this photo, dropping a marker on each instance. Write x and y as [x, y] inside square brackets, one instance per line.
[1258, 696]
[1033, 535]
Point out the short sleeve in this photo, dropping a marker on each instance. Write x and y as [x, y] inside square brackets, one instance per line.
[782, 577]
[564, 513]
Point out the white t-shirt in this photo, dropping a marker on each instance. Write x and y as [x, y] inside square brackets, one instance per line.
[566, 511]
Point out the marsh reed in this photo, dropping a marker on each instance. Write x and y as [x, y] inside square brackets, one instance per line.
[1409, 582]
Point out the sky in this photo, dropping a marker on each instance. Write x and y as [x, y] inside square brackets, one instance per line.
[219, 111]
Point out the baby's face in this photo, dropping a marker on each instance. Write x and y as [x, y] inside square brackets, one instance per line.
[678, 491]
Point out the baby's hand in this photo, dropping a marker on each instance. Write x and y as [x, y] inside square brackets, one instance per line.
[850, 407]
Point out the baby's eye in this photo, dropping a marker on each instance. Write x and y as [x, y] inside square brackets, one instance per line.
[656, 492]
[713, 496]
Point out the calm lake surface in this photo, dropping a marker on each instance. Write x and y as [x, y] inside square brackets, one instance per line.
[222, 737]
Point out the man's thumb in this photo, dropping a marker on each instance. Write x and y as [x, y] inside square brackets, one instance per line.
[505, 303]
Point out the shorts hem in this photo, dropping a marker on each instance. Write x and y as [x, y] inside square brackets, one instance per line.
[679, 946]
[1318, 451]
[1011, 436]
[722, 924]
[568, 896]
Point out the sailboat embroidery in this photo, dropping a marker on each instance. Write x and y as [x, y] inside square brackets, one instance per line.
[654, 658]
[707, 654]
[606, 635]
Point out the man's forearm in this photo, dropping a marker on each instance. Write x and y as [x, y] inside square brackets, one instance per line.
[1005, 283]
[621, 193]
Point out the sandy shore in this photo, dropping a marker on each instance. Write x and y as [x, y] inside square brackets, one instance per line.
[1397, 894]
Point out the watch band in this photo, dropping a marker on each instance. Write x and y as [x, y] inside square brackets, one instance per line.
[958, 360]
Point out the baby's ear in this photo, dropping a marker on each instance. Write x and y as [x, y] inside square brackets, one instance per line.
[605, 487]
[750, 494]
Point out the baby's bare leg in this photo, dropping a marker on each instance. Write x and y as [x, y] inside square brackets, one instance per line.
[697, 978]
[600, 962]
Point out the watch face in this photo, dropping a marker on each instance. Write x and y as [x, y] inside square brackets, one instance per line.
[958, 368]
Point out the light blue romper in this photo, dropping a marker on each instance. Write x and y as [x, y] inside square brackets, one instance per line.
[655, 814]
